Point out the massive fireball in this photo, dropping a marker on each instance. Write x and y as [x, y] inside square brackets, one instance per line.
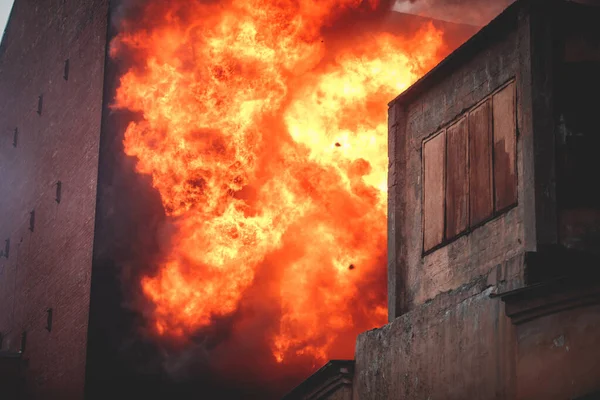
[266, 142]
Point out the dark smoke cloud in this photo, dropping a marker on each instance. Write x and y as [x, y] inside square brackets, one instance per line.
[229, 359]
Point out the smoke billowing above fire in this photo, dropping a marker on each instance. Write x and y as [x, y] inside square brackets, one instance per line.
[262, 125]
[472, 12]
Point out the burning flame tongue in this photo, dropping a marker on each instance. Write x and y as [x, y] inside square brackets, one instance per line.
[259, 144]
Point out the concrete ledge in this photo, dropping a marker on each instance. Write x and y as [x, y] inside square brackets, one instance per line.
[332, 381]
[536, 301]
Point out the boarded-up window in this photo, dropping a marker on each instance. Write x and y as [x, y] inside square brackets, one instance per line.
[470, 169]
[480, 160]
[434, 166]
[505, 178]
[457, 179]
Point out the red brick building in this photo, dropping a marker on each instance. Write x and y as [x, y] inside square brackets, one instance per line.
[493, 224]
[73, 212]
[71, 207]
[51, 89]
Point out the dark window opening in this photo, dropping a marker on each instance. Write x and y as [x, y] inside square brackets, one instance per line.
[5, 252]
[66, 73]
[49, 320]
[58, 191]
[32, 220]
[23, 342]
[40, 104]
[580, 139]
[16, 137]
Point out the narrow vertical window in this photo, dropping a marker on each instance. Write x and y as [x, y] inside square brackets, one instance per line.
[15, 137]
[433, 203]
[40, 104]
[32, 220]
[49, 313]
[457, 179]
[505, 177]
[480, 164]
[23, 342]
[58, 191]
[66, 72]
[6, 250]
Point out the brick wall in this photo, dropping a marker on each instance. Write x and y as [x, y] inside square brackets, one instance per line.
[49, 262]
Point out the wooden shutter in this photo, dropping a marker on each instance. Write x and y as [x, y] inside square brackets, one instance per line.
[480, 164]
[457, 179]
[433, 203]
[505, 177]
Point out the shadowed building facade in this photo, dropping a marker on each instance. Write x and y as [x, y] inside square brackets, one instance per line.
[493, 221]
[51, 87]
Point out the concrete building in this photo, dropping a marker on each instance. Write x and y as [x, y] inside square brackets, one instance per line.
[493, 223]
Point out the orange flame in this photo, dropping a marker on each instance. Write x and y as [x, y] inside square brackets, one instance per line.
[263, 141]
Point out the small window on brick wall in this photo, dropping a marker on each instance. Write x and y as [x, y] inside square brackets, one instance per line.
[469, 169]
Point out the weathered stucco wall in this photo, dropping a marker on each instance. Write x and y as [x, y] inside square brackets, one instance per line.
[415, 278]
[450, 336]
[440, 351]
[559, 355]
[473, 350]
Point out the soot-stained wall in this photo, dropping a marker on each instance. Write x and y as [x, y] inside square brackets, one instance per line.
[497, 55]
[51, 79]
[459, 346]
[495, 313]
[470, 344]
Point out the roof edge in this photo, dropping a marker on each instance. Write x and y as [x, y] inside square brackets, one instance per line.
[474, 44]
[328, 378]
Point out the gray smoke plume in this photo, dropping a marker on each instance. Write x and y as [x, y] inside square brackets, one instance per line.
[470, 12]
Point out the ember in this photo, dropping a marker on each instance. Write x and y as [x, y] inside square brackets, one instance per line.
[268, 148]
